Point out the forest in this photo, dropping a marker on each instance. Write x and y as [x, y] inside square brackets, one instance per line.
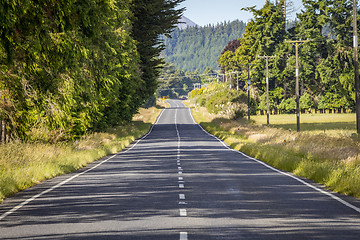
[196, 48]
[326, 57]
[174, 82]
[72, 66]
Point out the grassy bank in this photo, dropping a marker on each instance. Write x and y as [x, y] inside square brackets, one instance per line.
[330, 160]
[25, 164]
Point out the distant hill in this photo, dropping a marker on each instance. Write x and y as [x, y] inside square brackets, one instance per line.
[195, 48]
[184, 22]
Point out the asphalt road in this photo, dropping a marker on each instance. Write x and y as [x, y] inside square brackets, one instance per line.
[179, 182]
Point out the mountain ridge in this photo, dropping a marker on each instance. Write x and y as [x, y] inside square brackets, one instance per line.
[185, 22]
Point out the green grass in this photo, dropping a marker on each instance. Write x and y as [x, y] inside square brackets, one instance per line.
[23, 165]
[332, 160]
[330, 124]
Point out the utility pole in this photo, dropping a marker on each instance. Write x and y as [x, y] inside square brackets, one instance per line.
[249, 82]
[230, 79]
[356, 67]
[237, 83]
[267, 87]
[297, 43]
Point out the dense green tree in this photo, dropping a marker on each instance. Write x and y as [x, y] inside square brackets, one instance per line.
[199, 47]
[208, 76]
[264, 35]
[72, 65]
[174, 82]
[151, 19]
[326, 61]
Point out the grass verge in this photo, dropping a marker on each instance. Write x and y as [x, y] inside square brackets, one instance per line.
[23, 165]
[329, 160]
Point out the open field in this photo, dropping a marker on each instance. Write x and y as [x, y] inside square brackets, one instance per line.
[330, 124]
[25, 164]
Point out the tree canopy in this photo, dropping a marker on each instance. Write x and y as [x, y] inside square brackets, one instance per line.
[196, 48]
[75, 65]
[326, 61]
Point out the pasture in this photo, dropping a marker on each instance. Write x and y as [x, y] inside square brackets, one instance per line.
[330, 124]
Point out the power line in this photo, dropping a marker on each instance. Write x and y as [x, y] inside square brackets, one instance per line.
[193, 75]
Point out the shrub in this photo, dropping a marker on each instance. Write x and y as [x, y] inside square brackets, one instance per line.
[306, 102]
[194, 93]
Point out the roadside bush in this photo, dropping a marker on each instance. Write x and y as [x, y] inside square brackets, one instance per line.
[201, 100]
[217, 101]
[306, 102]
[288, 105]
[222, 101]
[194, 93]
[151, 102]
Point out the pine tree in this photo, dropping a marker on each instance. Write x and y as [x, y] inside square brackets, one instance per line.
[151, 19]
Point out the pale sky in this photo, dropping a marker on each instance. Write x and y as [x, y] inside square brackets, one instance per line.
[203, 12]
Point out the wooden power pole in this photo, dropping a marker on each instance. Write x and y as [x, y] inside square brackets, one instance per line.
[297, 43]
[267, 87]
[356, 66]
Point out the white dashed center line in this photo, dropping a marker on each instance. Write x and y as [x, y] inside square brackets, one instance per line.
[183, 213]
[183, 236]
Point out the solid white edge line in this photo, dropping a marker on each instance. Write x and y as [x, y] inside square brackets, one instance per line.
[279, 171]
[17, 207]
[222, 142]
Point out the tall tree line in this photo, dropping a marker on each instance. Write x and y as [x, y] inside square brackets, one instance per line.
[174, 82]
[74, 65]
[196, 48]
[326, 61]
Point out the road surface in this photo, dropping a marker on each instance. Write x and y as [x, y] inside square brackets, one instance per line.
[178, 182]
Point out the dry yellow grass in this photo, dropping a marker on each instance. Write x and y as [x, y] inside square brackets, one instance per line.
[25, 164]
[330, 160]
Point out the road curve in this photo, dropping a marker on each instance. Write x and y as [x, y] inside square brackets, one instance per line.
[179, 182]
